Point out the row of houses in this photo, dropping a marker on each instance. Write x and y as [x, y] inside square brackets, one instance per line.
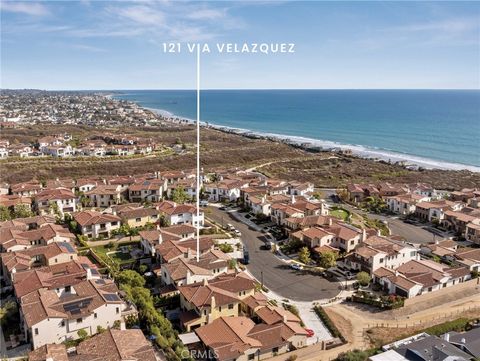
[457, 211]
[400, 268]
[58, 292]
[60, 146]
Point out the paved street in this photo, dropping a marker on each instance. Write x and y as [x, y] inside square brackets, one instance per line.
[411, 233]
[276, 275]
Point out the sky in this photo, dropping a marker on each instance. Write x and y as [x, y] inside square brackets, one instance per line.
[68, 45]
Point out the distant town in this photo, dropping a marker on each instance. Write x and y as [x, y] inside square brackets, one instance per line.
[108, 267]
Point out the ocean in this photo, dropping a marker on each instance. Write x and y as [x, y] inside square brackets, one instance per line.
[430, 128]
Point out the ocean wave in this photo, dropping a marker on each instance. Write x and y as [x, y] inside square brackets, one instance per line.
[356, 149]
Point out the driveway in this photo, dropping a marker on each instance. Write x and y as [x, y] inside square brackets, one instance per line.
[277, 276]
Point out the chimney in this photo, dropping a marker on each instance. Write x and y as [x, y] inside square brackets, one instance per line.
[188, 277]
[122, 326]
[89, 274]
[330, 221]
[293, 199]
[463, 341]
[446, 337]
[160, 238]
[213, 304]
[364, 234]
[205, 281]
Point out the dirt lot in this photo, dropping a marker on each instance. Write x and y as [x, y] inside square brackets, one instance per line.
[219, 150]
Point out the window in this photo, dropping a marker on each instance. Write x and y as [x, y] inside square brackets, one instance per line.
[79, 320]
[36, 331]
[68, 289]
[220, 308]
[251, 356]
[62, 324]
[95, 315]
[230, 306]
[117, 310]
[138, 219]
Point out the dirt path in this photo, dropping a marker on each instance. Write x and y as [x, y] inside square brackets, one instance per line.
[286, 160]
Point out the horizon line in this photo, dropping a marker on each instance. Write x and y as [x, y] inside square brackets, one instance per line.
[230, 89]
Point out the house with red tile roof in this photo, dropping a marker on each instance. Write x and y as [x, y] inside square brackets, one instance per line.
[149, 190]
[239, 338]
[63, 198]
[202, 303]
[180, 213]
[184, 271]
[105, 195]
[418, 277]
[39, 256]
[95, 224]
[15, 239]
[51, 318]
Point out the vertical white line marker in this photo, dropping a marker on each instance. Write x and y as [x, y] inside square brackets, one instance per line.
[198, 153]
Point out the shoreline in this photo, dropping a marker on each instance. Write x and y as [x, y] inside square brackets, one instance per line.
[408, 161]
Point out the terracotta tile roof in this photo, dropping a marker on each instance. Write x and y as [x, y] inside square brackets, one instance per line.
[231, 337]
[115, 345]
[89, 296]
[32, 222]
[224, 289]
[104, 189]
[275, 314]
[88, 218]
[13, 200]
[257, 300]
[138, 213]
[54, 194]
[51, 351]
[22, 260]
[50, 277]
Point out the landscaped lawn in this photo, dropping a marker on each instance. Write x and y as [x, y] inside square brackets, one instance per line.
[340, 213]
[118, 257]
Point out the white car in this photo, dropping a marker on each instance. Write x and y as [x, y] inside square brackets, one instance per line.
[237, 232]
[296, 267]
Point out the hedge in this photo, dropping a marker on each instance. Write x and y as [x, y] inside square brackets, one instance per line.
[329, 323]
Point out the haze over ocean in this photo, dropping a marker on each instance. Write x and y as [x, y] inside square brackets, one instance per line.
[436, 128]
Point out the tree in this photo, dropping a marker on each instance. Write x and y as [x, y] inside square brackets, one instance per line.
[131, 278]
[100, 329]
[363, 278]
[5, 214]
[53, 209]
[163, 221]
[328, 259]
[82, 334]
[142, 268]
[179, 195]
[304, 255]
[22, 211]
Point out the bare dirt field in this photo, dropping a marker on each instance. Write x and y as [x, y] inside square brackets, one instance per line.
[218, 150]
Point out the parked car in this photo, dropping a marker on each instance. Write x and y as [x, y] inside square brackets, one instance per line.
[237, 232]
[349, 276]
[230, 227]
[296, 267]
[310, 332]
[223, 208]
[203, 203]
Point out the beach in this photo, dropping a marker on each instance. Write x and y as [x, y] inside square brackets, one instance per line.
[375, 131]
